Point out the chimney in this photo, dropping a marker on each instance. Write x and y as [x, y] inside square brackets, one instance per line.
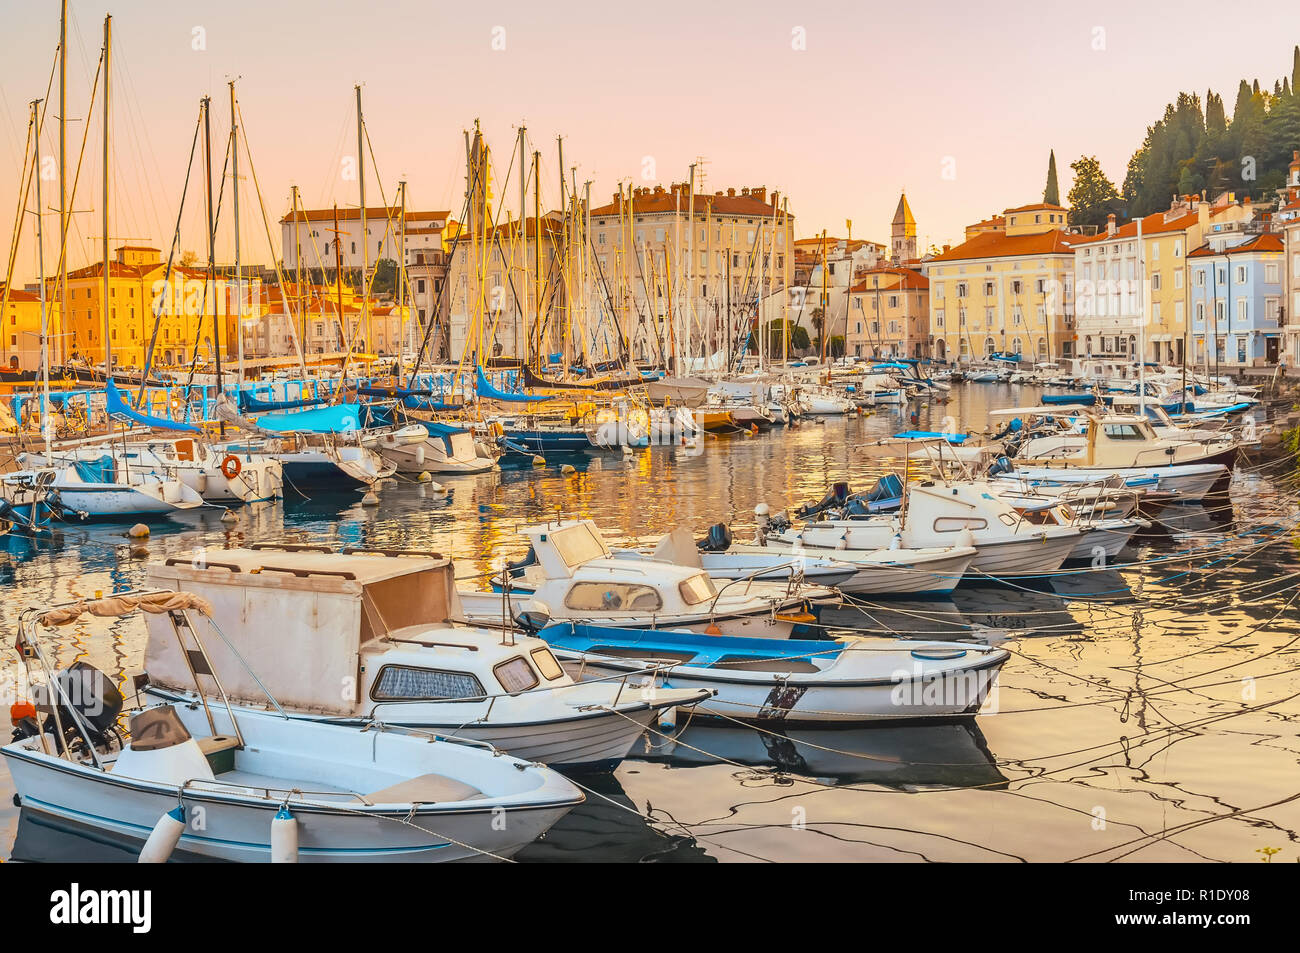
[1110, 224]
[731, 193]
[775, 195]
[759, 192]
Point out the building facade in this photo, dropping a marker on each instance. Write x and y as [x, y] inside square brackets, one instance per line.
[1007, 289]
[1237, 296]
[307, 237]
[1287, 220]
[889, 314]
[1131, 289]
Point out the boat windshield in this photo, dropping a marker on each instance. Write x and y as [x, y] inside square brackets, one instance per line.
[578, 545]
[699, 588]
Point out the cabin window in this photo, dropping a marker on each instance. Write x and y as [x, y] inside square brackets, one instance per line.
[515, 675]
[406, 683]
[953, 524]
[612, 597]
[577, 545]
[1122, 432]
[697, 589]
[546, 663]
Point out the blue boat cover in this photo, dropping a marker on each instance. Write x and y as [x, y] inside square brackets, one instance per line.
[249, 404]
[119, 410]
[957, 438]
[484, 388]
[99, 470]
[340, 418]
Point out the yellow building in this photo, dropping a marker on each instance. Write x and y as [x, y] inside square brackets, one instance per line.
[889, 314]
[1007, 289]
[183, 303]
[20, 339]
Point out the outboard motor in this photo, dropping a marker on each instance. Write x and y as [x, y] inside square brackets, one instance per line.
[718, 539]
[516, 569]
[1001, 465]
[533, 617]
[89, 693]
[837, 496]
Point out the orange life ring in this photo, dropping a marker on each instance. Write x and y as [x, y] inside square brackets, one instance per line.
[230, 466]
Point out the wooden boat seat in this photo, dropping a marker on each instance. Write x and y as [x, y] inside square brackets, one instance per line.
[220, 752]
[426, 789]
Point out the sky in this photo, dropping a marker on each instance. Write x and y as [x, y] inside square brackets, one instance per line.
[839, 105]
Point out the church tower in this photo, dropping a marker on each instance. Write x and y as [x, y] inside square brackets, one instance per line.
[902, 244]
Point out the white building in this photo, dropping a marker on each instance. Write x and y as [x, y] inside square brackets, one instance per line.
[309, 236]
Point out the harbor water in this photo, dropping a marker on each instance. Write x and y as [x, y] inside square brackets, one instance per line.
[1149, 710]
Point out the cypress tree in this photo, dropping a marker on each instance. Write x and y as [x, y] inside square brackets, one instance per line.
[1052, 194]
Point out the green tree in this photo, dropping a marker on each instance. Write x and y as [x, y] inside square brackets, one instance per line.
[384, 281]
[1052, 194]
[1092, 196]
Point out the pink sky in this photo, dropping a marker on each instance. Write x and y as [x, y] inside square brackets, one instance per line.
[877, 101]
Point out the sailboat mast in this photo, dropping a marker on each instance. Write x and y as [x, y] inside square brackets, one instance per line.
[40, 276]
[239, 277]
[63, 163]
[822, 304]
[365, 232]
[401, 285]
[785, 330]
[537, 260]
[520, 343]
[212, 240]
[103, 212]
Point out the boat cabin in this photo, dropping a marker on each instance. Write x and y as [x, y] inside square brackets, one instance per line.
[338, 634]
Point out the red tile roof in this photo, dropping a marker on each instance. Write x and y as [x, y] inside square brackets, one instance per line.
[908, 280]
[663, 200]
[1044, 206]
[378, 213]
[1000, 245]
[1261, 243]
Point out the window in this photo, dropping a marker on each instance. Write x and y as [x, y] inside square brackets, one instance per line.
[546, 663]
[405, 683]
[1178, 279]
[1271, 273]
[1241, 274]
[699, 588]
[1155, 282]
[515, 675]
[961, 289]
[613, 597]
[953, 524]
[988, 289]
[1015, 287]
[1200, 277]
[1122, 432]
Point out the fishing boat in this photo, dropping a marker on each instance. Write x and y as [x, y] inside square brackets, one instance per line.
[219, 781]
[716, 556]
[935, 513]
[445, 448]
[571, 574]
[389, 617]
[216, 475]
[100, 489]
[796, 681]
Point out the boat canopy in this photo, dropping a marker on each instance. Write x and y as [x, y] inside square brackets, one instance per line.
[1040, 411]
[98, 470]
[340, 418]
[119, 410]
[249, 404]
[957, 438]
[306, 614]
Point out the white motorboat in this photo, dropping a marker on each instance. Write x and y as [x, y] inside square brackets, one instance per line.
[233, 783]
[98, 489]
[570, 574]
[389, 618]
[216, 475]
[795, 681]
[442, 448]
[721, 559]
[937, 513]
